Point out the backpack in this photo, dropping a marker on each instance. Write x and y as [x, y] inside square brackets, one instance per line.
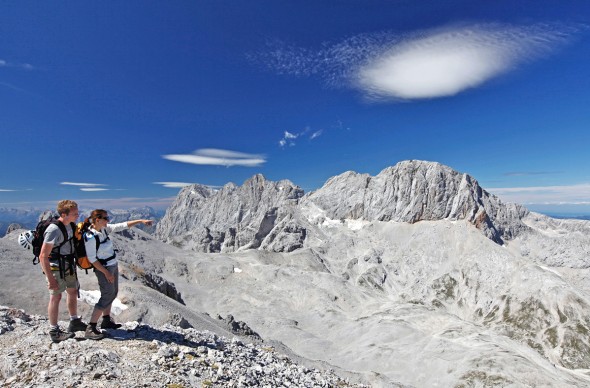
[39, 235]
[82, 260]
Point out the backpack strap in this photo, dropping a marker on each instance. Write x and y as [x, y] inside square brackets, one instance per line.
[56, 249]
[98, 242]
[64, 262]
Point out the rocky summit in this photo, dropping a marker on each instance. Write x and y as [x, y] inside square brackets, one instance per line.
[231, 218]
[141, 355]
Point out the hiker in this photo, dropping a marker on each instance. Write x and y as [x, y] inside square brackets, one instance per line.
[105, 265]
[57, 260]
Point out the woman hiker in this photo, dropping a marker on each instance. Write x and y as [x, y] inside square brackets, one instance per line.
[100, 252]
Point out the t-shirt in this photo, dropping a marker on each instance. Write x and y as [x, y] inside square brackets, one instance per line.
[53, 235]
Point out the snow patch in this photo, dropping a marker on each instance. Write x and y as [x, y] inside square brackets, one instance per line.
[356, 224]
[91, 297]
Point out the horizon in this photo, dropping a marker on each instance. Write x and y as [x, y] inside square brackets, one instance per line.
[143, 99]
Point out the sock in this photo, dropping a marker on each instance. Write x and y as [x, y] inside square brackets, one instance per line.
[73, 317]
[54, 327]
[106, 317]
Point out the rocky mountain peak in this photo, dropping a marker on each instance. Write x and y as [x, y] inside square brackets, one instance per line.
[228, 219]
[416, 190]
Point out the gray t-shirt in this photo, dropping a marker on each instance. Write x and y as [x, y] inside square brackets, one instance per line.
[53, 235]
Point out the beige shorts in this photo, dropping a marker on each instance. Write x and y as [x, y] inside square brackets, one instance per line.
[69, 281]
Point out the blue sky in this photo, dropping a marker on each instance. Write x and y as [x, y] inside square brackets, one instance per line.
[117, 104]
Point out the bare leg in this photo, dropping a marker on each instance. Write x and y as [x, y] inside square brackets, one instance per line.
[96, 313]
[72, 301]
[53, 309]
[107, 311]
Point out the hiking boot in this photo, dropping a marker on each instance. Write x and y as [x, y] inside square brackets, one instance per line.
[93, 333]
[108, 323]
[57, 335]
[76, 325]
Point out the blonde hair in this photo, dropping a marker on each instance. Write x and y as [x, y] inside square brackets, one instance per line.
[64, 206]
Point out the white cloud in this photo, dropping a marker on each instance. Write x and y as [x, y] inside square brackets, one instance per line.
[87, 186]
[81, 184]
[545, 195]
[444, 63]
[289, 135]
[24, 66]
[426, 64]
[93, 189]
[6, 190]
[289, 138]
[316, 134]
[217, 157]
[173, 185]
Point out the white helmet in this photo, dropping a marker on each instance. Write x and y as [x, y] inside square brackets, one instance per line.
[25, 239]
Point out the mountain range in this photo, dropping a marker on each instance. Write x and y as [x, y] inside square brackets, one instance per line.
[28, 218]
[413, 277]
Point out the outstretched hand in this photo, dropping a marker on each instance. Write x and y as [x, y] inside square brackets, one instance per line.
[148, 222]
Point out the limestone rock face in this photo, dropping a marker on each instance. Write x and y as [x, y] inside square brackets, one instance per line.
[413, 191]
[276, 216]
[229, 219]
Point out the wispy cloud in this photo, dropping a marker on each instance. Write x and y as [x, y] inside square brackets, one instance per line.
[425, 64]
[546, 195]
[218, 157]
[173, 185]
[93, 189]
[6, 190]
[86, 186]
[289, 137]
[81, 184]
[23, 66]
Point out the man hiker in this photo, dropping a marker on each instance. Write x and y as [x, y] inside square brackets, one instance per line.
[57, 259]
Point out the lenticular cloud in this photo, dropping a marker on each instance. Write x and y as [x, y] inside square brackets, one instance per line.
[447, 62]
[428, 64]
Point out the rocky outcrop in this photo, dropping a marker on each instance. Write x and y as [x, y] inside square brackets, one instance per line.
[232, 218]
[13, 227]
[238, 327]
[413, 191]
[162, 285]
[141, 355]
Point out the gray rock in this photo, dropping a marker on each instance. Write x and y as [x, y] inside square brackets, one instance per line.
[270, 215]
[152, 357]
[13, 227]
[229, 219]
[413, 191]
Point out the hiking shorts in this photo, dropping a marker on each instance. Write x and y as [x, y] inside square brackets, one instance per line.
[69, 281]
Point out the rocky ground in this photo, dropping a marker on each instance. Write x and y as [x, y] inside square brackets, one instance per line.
[143, 356]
